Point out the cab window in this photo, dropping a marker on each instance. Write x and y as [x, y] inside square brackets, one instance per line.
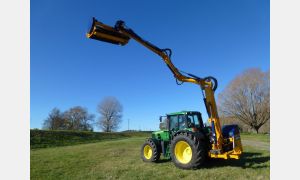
[173, 122]
[194, 121]
[177, 122]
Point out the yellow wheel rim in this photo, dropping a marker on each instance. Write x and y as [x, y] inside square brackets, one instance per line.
[147, 152]
[183, 152]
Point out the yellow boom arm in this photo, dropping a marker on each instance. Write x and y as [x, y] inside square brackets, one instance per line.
[121, 35]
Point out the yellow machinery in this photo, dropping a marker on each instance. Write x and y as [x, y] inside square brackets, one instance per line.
[120, 34]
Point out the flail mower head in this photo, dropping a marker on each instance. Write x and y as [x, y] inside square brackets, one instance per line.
[102, 32]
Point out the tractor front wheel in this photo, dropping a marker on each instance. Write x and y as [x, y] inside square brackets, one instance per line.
[150, 151]
[187, 152]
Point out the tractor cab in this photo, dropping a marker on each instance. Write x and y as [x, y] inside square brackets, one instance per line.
[184, 120]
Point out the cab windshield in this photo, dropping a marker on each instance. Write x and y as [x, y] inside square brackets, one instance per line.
[179, 122]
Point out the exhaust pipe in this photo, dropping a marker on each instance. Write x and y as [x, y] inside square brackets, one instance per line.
[102, 32]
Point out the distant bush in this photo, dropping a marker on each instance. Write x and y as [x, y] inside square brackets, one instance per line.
[137, 133]
[53, 138]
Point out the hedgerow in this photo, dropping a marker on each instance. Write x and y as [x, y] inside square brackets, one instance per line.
[53, 138]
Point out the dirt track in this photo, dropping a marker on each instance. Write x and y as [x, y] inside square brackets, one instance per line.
[257, 144]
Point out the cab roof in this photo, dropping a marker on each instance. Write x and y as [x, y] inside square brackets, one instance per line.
[182, 113]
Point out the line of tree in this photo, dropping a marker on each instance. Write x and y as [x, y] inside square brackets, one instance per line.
[246, 100]
[78, 118]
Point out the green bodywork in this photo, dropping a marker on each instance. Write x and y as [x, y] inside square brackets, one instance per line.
[163, 135]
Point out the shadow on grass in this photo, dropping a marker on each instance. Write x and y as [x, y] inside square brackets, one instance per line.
[163, 160]
[247, 160]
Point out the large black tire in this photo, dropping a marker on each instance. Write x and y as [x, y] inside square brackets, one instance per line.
[148, 146]
[194, 151]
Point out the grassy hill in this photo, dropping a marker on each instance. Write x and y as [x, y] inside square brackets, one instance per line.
[45, 138]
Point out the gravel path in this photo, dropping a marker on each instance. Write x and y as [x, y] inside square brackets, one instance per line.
[257, 144]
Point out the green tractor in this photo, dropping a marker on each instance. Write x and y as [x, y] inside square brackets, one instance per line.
[183, 138]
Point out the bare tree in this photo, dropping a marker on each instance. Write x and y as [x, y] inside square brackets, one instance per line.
[55, 120]
[247, 98]
[78, 118]
[110, 111]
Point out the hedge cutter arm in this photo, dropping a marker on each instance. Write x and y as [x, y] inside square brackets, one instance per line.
[120, 35]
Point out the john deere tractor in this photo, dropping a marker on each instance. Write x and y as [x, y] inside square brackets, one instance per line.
[182, 137]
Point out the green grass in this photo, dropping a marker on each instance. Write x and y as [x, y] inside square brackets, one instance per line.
[257, 137]
[120, 159]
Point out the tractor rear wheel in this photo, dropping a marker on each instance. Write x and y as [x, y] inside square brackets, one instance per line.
[187, 152]
[150, 151]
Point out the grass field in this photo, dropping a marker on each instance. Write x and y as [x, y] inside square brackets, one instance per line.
[120, 159]
[256, 137]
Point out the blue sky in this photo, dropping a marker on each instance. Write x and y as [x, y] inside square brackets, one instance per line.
[218, 38]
